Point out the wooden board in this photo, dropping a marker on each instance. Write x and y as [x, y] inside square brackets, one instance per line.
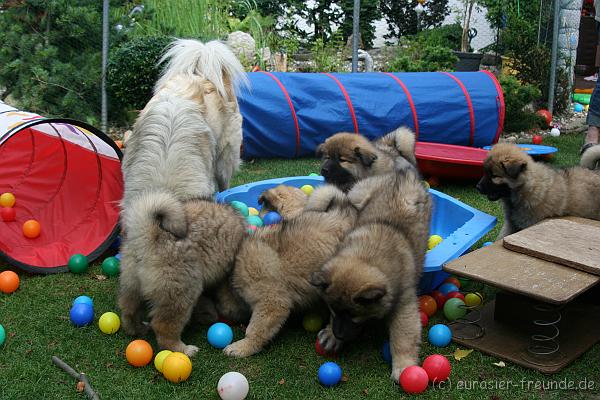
[570, 243]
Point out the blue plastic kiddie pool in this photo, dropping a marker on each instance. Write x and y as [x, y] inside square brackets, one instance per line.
[533, 149]
[458, 224]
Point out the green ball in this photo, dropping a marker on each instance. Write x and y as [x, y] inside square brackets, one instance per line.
[254, 220]
[312, 322]
[313, 174]
[110, 266]
[78, 263]
[242, 208]
[2, 335]
[454, 309]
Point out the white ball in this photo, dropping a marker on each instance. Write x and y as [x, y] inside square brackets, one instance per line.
[554, 132]
[233, 386]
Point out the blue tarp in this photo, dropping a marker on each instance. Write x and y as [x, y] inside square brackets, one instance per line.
[289, 114]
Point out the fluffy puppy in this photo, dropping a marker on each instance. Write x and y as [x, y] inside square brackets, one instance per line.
[288, 201]
[174, 251]
[375, 272]
[270, 279]
[532, 191]
[590, 159]
[347, 157]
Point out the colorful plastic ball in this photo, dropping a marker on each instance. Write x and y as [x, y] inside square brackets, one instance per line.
[414, 379]
[254, 220]
[9, 282]
[78, 263]
[307, 189]
[176, 367]
[537, 139]
[578, 107]
[386, 353]
[271, 218]
[31, 229]
[312, 322]
[433, 241]
[251, 229]
[486, 244]
[330, 374]
[2, 335]
[586, 107]
[233, 386]
[424, 318]
[321, 351]
[110, 266]
[546, 115]
[252, 211]
[118, 257]
[240, 207]
[7, 199]
[455, 295]
[81, 314]
[428, 305]
[439, 297]
[219, 335]
[159, 359]
[139, 353]
[555, 132]
[439, 335]
[109, 323]
[8, 214]
[473, 299]
[447, 288]
[454, 309]
[453, 280]
[437, 367]
[84, 299]
[313, 174]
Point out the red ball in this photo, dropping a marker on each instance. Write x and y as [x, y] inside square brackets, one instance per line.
[414, 379]
[439, 298]
[424, 318]
[437, 368]
[8, 214]
[321, 351]
[546, 115]
[537, 139]
[428, 305]
[452, 280]
[457, 295]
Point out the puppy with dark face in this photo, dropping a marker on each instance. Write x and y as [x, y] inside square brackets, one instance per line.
[532, 191]
[376, 270]
[348, 158]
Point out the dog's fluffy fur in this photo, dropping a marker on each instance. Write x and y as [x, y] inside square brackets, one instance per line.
[270, 279]
[185, 145]
[375, 272]
[347, 157]
[590, 159]
[532, 191]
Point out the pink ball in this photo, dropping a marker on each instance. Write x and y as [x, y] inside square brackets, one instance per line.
[437, 367]
[414, 379]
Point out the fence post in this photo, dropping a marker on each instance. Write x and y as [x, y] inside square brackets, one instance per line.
[104, 111]
[355, 33]
[555, 28]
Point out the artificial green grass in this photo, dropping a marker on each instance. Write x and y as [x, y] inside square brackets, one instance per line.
[37, 324]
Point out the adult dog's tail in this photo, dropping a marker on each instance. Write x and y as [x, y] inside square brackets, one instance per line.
[212, 60]
[590, 159]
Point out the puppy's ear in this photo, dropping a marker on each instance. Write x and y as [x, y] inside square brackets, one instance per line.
[369, 295]
[320, 150]
[514, 169]
[262, 200]
[366, 157]
[319, 280]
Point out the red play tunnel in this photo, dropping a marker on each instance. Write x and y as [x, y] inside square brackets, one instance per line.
[64, 174]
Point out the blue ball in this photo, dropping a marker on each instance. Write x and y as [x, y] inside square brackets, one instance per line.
[486, 244]
[219, 335]
[82, 314]
[272, 217]
[330, 374]
[447, 288]
[578, 107]
[118, 256]
[83, 300]
[440, 335]
[386, 353]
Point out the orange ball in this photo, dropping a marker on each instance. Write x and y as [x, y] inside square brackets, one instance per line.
[7, 199]
[31, 229]
[177, 367]
[428, 305]
[139, 353]
[9, 281]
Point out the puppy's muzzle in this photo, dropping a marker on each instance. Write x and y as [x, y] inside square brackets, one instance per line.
[344, 328]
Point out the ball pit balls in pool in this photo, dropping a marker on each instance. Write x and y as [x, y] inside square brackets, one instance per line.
[414, 379]
[177, 367]
[330, 374]
[254, 220]
[81, 314]
[473, 299]
[83, 299]
[78, 263]
[439, 297]
[455, 295]
[139, 353]
[437, 367]
[219, 335]
[252, 211]
[109, 323]
[307, 189]
[233, 386]
[7, 200]
[2, 335]
[9, 282]
[453, 280]
[241, 207]
[447, 288]
[424, 319]
[312, 322]
[428, 305]
[386, 353]
[454, 309]
[433, 241]
[31, 229]
[110, 266]
[251, 229]
[159, 359]
[313, 174]
[8, 214]
[439, 335]
[271, 218]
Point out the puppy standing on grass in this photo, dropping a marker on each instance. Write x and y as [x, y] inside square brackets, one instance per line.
[185, 145]
[532, 191]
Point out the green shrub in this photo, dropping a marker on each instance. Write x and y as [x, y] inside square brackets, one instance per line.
[133, 70]
[445, 36]
[516, 98]
[419, 56]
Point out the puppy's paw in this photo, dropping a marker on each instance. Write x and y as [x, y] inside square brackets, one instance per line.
[395, 375]
[288, 201]
[241, 348]
[190, 350]
[328, 341]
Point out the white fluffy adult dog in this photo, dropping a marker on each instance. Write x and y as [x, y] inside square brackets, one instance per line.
[186, 145]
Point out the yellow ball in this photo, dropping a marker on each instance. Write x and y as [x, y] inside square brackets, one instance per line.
[109, 323]
[308, 189]
[177, 367]
[7, 199]
[252, 211]
[473, 299]
[433, 241]
[586, 107]
[160, 359]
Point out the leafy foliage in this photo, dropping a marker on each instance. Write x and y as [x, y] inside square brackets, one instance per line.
[402, 18]
[516, 97]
